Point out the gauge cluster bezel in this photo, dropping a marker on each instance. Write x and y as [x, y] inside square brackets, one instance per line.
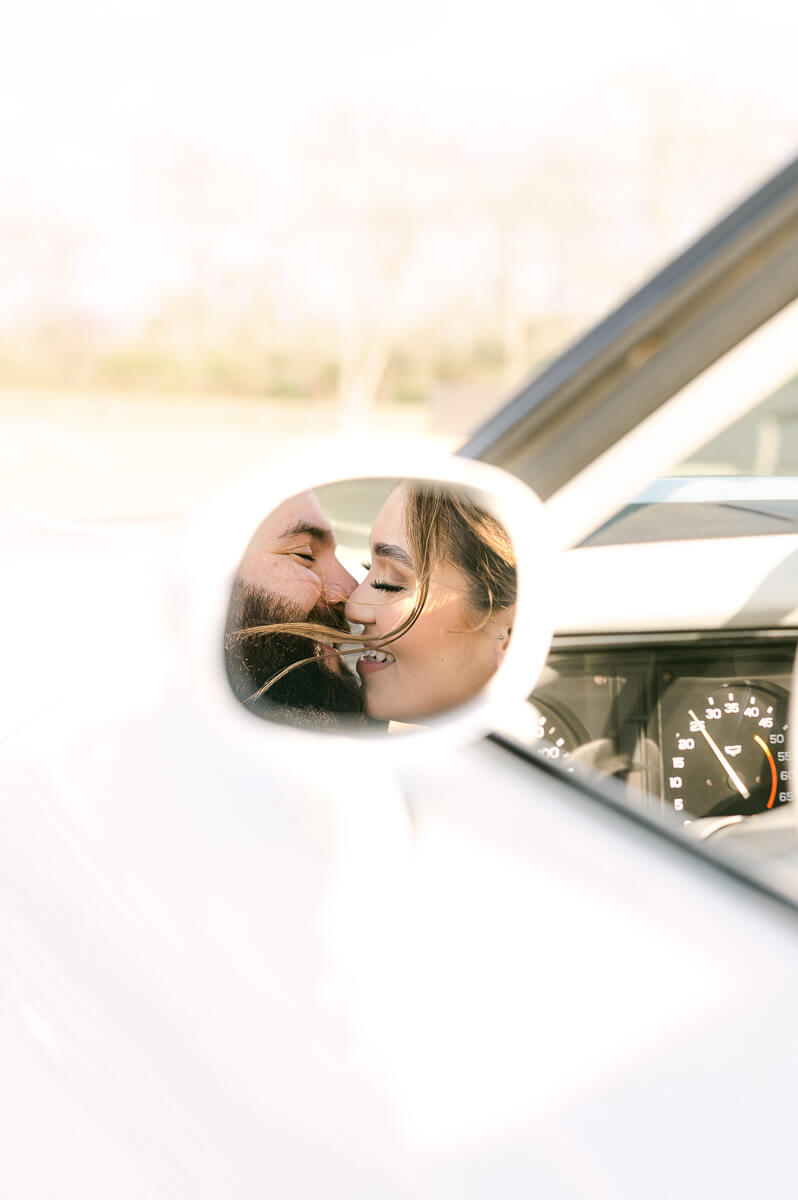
[611, 698]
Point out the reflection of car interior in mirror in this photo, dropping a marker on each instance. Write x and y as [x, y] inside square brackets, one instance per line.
[370, 601]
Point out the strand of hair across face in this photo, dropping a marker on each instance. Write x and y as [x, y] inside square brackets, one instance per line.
[302, 662]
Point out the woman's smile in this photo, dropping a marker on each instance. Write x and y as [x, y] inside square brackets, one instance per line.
[374, 660]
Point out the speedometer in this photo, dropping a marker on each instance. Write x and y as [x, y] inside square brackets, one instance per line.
[726, 750]
[551, 735]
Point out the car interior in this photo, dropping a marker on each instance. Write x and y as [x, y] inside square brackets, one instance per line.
[671, 669]
[663, 443]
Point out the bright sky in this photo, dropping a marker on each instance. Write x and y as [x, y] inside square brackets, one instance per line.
[129, 129]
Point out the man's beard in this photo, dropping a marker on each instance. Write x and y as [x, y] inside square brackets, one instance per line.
[312, 695]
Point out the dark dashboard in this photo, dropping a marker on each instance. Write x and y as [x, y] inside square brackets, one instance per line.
[695, 725]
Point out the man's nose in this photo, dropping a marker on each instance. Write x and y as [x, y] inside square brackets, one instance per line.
[357, 612]
[338, 584]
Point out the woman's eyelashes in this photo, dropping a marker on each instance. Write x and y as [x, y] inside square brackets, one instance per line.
[380, 585]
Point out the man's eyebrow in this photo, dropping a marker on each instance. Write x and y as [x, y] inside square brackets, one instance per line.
[386, 550]
[317, 532]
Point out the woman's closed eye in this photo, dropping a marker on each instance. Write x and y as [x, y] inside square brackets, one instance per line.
[380, 585]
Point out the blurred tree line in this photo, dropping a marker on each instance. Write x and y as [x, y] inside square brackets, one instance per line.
[385, 267]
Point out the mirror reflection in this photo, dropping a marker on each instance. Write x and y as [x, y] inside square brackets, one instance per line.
[370, 602]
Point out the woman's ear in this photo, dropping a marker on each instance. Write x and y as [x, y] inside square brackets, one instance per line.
[502, 624]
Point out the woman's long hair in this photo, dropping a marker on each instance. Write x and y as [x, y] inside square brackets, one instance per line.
[443, 525]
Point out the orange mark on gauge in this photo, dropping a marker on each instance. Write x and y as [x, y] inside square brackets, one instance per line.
[773, 771]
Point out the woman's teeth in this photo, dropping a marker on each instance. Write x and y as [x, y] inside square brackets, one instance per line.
[377, 656]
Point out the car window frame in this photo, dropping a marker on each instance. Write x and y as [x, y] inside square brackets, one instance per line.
[724, 286]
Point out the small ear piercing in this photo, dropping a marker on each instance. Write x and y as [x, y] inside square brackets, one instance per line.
[501, 637]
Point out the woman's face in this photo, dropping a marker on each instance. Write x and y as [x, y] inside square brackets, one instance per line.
[441, 661]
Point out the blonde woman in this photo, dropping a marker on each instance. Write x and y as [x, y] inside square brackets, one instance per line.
[436, 605]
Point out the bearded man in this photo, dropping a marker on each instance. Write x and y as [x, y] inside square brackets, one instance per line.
[290, 573]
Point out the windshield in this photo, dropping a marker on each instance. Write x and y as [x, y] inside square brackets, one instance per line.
[762, 443]
[743, 482]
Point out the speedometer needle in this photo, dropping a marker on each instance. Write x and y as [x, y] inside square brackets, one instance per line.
[734, 778]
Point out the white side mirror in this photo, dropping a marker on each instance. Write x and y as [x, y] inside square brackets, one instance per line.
[442, 660]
